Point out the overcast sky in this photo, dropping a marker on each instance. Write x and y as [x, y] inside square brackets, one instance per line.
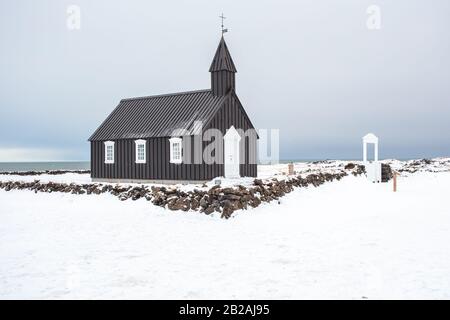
[311, 68]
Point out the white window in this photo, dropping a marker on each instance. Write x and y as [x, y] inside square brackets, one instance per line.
[109, 151]
[176, 151]
[140, 151]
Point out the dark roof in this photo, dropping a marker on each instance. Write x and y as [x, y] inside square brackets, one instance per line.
[222, 59]
[159, 116]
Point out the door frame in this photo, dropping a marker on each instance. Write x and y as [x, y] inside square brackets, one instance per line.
[231, 144]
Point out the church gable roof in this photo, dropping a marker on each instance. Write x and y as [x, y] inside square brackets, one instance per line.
[159, 116]
[222, 59]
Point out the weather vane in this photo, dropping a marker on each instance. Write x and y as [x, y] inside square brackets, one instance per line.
[223, 29]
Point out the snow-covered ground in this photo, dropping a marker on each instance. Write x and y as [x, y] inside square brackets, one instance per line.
[344, 239]
[44, 178]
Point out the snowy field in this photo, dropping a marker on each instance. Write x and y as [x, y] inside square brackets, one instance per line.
[347, 239]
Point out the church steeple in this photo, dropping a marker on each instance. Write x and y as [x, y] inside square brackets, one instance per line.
[222, 70]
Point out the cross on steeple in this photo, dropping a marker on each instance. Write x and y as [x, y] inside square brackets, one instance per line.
[223, 29]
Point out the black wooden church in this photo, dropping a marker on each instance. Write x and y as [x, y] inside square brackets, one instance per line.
[153, 138]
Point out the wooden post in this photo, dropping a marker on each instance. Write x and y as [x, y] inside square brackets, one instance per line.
[290, 168]
[395, 181]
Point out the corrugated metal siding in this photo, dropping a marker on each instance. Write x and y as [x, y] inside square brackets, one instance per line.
[222, 82]
[233, 113]
[159, 116]
[158, 166]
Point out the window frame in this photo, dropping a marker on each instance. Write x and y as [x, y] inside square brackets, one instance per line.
[109, 144]
[173, 142]
[138, 143]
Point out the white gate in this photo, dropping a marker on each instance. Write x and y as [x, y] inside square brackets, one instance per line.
[231, 154]
[373, 168]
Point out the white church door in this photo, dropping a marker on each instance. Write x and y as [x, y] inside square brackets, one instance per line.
[231, 154]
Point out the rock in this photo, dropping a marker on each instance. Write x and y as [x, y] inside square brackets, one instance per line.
[195, 204]
[208, 210]
[360, 169]
[227, 209]
[158, 189]
[349, 166]
[255, 202]
[214, 190]
[159, 200]
[258, 182]
[231, 197]
[148, 196]
[123, 197]
[386, 172]
[204, 201]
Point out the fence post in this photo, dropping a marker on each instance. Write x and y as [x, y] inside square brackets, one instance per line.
[290, 168]
[395, 181]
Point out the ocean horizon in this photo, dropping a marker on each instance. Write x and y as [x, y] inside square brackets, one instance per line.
[44, 165]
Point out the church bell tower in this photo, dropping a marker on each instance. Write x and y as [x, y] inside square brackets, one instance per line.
[222, 71]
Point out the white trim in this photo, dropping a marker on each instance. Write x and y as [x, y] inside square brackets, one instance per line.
[174, 142]
[232, 134]
[109, 144]
[138, 143]
[370, 138]
[231, 153]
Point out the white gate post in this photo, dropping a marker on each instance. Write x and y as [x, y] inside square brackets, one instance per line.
[376, 151]
[373, 168]
[364, 151]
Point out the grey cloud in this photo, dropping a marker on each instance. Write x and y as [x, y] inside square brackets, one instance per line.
[310, 68]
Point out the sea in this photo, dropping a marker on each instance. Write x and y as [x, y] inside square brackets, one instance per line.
[41, 166]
